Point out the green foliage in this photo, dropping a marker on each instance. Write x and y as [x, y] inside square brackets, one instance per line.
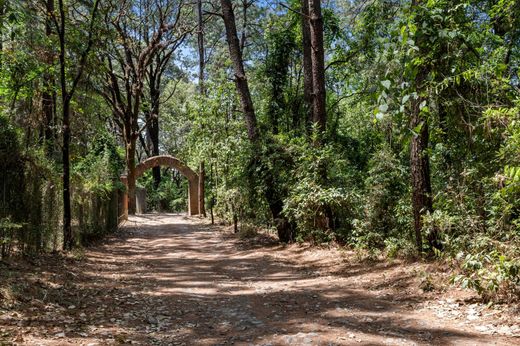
[98, 172]
[8, 232]
[233, 204]
[460, 58]
[170, 196]
[11, 165]
[313, 205]
[385, 187]
[491, 274]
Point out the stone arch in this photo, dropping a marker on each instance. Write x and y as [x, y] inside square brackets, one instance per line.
[195, 182]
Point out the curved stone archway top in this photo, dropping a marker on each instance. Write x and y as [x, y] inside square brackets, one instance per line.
[169, 161]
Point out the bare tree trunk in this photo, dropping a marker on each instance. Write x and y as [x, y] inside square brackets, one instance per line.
[212, 200]
[67, 214]
[202, 178]
[153, 126]
[67, 94]
[307, 61]
[68, 239]
[3, 6]
[131, 177]
[319, 113]
[420, 169]
[48, 87]
[419, 160]
[238, 65]
[202, 90]
[271, 195]
[200, 42]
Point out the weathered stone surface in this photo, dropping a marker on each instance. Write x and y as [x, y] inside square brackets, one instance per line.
[140, 199]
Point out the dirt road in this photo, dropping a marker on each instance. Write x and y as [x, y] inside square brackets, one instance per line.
[172, 280]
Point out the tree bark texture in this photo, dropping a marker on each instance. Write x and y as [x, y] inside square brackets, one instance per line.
[202, 180]
[48, 87]
[238, 67]
[420, 169]
[66, 95]
[319, 116]
[307, 61]
[68, 238]
[200, 43]
[131, 174]
[419, 160]
[153, 125]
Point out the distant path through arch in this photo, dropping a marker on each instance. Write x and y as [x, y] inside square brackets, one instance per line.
[195, 181]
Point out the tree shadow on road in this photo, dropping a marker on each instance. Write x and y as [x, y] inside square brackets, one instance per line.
[165, 283]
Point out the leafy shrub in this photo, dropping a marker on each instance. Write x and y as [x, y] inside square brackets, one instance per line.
[170, 196]
[492, 275]
[232, 205]
[11, 171]
[247, 231]
[320, 211]
[385, 188]
[399, 247]
[99, 171]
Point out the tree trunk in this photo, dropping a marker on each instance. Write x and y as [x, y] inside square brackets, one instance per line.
[307, 62]
[67, 95]
[319, 114]
[48, 87]
[271, 195]
[3, 6]
[130, 164]
[419, 160]
[212, 199]
[202, 179]
[420, 168]
[68, 240]
[238, 66]
[66, 98]
[153, 129]
[200, 42]
[156, 171]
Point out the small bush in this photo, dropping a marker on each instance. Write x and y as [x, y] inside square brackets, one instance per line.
[492, 275]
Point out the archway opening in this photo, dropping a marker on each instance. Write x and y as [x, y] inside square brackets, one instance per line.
[195, 180]
[170, 195]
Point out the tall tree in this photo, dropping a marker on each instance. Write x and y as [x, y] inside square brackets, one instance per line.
[242, 85]
[3, 10]
[308, 87]
[154, 76]
[67, 93]
[200, 46]
[319, 112]
[202, 91]
[48, 93]
[128, 63]
[419, 159]
[260, 160]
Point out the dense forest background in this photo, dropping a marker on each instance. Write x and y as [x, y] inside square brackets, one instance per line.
[389, 126]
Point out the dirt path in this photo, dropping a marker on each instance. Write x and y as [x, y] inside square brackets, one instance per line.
[171, 280]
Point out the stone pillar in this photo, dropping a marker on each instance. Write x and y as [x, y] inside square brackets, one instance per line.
[140, 200]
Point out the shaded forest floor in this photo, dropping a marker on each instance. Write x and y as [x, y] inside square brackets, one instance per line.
[173, 280]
